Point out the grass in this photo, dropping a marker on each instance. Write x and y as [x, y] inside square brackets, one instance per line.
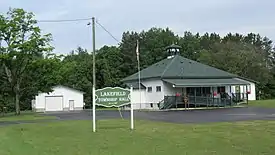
[149, 138]
[262, 103]
[24, 116]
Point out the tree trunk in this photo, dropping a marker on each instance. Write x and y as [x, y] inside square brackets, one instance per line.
[17, 105]
[17, 99]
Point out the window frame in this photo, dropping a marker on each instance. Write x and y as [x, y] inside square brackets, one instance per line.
[149, 89]
[157, 88]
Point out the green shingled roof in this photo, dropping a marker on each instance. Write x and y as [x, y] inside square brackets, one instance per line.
[179, 67]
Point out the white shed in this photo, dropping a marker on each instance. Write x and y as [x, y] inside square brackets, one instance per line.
[62, 98]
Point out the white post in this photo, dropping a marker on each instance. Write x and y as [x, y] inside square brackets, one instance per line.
[94, 126]
[94, 80]
[132, 110]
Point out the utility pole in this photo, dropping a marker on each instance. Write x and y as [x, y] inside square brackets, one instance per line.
[94, 84]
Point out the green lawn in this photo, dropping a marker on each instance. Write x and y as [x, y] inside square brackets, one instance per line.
[24, 116]
[262, 103]
[149, 138]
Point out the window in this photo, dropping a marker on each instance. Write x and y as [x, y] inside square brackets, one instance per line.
[149, 89]
[221, 89]
[190, 91]
[206, 91]
[158, 88]
[198, 91]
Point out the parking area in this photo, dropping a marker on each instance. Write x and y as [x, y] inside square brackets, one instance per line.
[191, 116]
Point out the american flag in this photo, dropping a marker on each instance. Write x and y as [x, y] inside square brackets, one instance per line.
[137, 51]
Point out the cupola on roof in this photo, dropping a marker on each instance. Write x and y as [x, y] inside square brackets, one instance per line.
[173, 50]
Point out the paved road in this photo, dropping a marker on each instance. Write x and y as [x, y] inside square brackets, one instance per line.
[214, 115]
[193, 116]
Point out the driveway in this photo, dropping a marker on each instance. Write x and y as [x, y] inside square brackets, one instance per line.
[192, 116]
[213, 115]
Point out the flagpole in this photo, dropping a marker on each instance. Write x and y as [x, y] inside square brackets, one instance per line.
[132, 109]
[139, 83]
[138, 73]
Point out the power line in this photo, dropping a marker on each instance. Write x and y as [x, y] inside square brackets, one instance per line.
[108, 32]
[81, 19]
[63, 20]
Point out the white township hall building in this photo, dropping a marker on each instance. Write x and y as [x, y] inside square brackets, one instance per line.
[165, 83]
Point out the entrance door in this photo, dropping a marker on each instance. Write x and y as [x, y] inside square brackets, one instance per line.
[71, 105]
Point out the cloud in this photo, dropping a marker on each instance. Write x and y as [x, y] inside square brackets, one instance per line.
[220, 16]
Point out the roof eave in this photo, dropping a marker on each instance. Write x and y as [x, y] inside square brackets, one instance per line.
[202, 77]
[247, 79]
[136, 79]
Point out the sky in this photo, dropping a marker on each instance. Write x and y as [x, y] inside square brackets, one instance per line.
[118, 16]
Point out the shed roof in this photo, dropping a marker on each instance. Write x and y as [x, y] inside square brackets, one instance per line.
[73, 89]
[179, 67]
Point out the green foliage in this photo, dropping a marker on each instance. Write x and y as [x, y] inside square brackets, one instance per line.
[27, 66]
[22, 47]
[238, 58]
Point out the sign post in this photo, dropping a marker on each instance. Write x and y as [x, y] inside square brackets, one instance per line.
[132, 111]
[115, 97]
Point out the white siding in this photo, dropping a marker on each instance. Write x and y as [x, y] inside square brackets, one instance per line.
[252, 95]
[138, 98]
[149, 100]
[154, 96]
[73, 95]
[67, 94]
[169, 89]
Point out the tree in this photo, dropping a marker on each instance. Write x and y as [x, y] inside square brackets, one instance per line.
[21, 44]
[190, 45]
[109, 60]
[153, 43]
[242, 59]
[152, 48]
[40, 76]
[76, 72]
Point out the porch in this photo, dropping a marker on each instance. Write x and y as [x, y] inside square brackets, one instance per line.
[202, 101]
[193, 93]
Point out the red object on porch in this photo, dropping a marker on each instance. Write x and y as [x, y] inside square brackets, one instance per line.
[177, 94]
[215, 93]
[248, 92]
